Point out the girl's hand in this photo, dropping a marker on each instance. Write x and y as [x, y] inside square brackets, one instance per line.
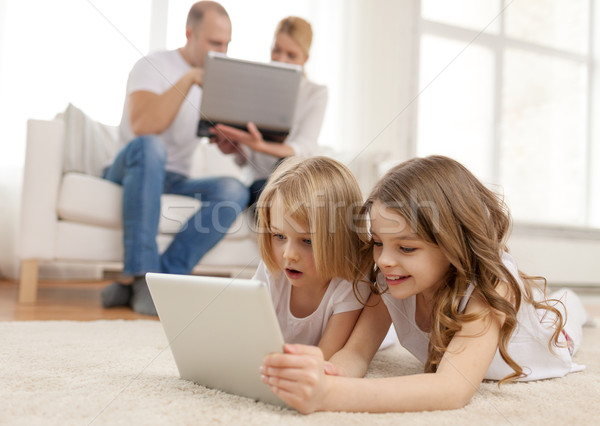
[333, 370]
[297, 376]
[252, 138]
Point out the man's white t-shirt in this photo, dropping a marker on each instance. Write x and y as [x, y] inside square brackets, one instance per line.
[339, 297]
[157, 73]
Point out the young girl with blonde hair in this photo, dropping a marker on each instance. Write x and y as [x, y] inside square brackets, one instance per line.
[308, 246]
[436, 252]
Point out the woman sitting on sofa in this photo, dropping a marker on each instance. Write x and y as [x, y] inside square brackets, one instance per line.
[259, 157]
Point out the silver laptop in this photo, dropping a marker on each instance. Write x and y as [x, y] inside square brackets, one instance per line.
[236, 91]
[219, 330]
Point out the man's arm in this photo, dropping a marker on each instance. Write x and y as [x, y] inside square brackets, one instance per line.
[150, 113]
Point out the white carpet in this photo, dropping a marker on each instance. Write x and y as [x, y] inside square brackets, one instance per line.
[121, 372]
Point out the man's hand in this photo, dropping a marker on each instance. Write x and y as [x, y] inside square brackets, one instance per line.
[196, 75]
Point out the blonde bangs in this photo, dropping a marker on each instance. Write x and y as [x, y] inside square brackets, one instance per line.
[321, 195]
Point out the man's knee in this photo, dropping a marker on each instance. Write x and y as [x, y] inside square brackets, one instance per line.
[149, 149]
[234, 190]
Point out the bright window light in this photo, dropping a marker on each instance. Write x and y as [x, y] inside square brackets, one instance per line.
[514, 105]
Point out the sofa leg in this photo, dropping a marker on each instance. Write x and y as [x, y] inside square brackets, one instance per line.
[29, 281]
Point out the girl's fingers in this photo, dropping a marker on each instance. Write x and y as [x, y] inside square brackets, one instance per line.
[296, 376]
[300, 349]
[292, 361]
[297, 394]
[271, 375]
[332, 369]
[286, 383]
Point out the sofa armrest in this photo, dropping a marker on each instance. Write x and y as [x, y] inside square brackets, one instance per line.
[41, 182]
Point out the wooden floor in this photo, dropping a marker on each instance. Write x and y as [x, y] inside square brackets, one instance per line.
[58, 300]
[80, 301]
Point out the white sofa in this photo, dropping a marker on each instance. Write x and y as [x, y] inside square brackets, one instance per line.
[70, 214]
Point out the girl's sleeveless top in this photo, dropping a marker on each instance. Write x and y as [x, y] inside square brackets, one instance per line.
[528, 345]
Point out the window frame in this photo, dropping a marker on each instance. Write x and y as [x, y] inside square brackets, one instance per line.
[498, 43]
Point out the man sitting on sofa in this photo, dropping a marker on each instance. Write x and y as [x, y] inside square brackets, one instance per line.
[157, 135]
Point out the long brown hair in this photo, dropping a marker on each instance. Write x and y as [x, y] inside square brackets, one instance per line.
[447, 206]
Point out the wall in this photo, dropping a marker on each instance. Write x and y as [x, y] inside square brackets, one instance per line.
[563, 257]
[379, 77]
[10, 199]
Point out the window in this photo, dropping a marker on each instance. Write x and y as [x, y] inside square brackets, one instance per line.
[507, 90]
[53, 53]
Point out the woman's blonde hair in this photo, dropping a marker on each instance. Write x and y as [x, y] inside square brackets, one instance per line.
[445, 205]
[298, 29]
[322, 195]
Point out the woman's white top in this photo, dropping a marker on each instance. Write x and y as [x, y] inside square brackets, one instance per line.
[528, 345]
[339, 297]
[304, 134]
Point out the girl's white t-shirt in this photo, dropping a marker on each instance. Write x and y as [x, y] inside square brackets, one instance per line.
[339, 297]
[528, 345]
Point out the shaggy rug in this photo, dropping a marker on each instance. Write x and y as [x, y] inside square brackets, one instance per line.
[122, 372]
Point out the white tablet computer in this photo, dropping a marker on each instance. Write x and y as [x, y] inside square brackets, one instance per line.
[236, 91]
[219, 330]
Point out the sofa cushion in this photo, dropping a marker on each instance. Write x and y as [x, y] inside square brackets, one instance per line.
[82, 242]
[94, 201]
[88, 145]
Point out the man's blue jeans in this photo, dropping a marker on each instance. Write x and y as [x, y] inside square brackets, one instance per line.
[140, 169]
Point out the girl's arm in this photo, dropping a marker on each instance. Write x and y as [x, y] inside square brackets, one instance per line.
[298, 377]
[341, 329]
[370, 330]
[337, 331]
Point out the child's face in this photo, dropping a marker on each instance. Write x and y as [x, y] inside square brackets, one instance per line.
[409, 264]
[292, 249]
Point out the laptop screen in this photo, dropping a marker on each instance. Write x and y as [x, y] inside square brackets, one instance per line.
[237, 91]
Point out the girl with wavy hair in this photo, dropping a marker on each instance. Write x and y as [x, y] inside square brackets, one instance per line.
[437, 257]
